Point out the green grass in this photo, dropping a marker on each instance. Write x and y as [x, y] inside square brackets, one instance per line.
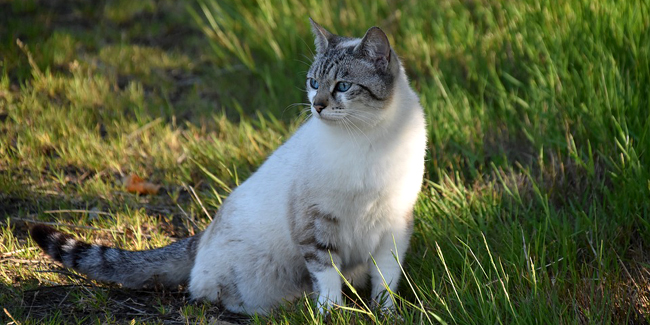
[536, 207]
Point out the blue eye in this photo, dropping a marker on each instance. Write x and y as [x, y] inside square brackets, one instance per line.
[313, 83]
[343, 86]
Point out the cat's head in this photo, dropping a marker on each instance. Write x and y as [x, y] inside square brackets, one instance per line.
[351, 79]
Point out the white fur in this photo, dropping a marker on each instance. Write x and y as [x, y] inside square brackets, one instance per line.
[350, 42]
[369, 176]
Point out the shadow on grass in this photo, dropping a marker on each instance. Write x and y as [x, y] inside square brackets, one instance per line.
[41, 291]
[88, 303]
[152, 45]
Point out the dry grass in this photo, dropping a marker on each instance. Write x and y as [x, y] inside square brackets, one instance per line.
[537, 182]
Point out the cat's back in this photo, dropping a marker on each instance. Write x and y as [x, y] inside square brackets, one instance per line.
[257, 207]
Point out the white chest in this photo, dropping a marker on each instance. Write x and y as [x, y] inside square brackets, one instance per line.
[369, 188]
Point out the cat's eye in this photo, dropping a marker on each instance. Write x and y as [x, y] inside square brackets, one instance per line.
[313, 83]
[343, 86]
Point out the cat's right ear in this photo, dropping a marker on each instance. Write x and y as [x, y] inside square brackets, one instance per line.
[321, 35]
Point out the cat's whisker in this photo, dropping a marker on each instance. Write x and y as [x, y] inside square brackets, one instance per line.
[303, 62]
[306, 111]
[298, 104]
[360, 116]
[364, 134]
[352, 127]
[364, 119]
[309, 59]
[346, 123]
[305, 115]
[294, 105]
[362, 113]
[309, 48]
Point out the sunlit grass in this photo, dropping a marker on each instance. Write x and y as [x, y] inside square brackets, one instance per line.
[537, 200]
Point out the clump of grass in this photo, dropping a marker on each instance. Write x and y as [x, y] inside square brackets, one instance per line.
[527, 109]
[535, 208]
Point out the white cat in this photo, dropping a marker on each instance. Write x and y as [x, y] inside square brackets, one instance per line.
[340, 192]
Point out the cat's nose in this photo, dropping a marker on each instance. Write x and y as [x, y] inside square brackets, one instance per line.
[319, 107]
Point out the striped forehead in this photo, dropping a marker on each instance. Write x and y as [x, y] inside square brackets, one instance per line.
[334, 63]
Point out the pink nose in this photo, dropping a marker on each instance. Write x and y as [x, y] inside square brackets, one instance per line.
[319, 107]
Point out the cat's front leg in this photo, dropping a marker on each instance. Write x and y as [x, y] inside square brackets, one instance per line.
[316, 233]
[385, 270]
[326, 280]
[327, 284]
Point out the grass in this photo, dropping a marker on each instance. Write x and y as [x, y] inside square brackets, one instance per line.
[536, 203]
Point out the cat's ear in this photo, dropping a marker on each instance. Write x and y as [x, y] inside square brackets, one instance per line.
[322, 36]
[375, 47]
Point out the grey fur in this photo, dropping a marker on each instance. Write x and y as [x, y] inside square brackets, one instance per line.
[169, 265]
[370, 65]
[322, 36]
[314, 231]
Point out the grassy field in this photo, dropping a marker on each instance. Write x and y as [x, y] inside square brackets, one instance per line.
[536, 204]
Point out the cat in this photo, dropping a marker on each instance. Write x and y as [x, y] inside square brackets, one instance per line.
[338, 195]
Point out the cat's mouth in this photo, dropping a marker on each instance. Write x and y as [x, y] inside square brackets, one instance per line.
[331, 116]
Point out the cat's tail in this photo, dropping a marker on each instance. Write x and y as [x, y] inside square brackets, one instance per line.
[170, 265]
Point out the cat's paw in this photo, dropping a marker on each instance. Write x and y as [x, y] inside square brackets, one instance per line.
[389, 315]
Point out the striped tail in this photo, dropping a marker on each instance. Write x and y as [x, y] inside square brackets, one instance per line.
[169, 265]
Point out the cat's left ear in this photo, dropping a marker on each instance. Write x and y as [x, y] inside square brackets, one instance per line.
[375, 46]
[322, 37]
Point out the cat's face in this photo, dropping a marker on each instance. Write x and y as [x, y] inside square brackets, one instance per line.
[351, 80]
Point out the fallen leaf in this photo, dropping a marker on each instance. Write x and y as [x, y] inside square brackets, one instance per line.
[135, 184]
